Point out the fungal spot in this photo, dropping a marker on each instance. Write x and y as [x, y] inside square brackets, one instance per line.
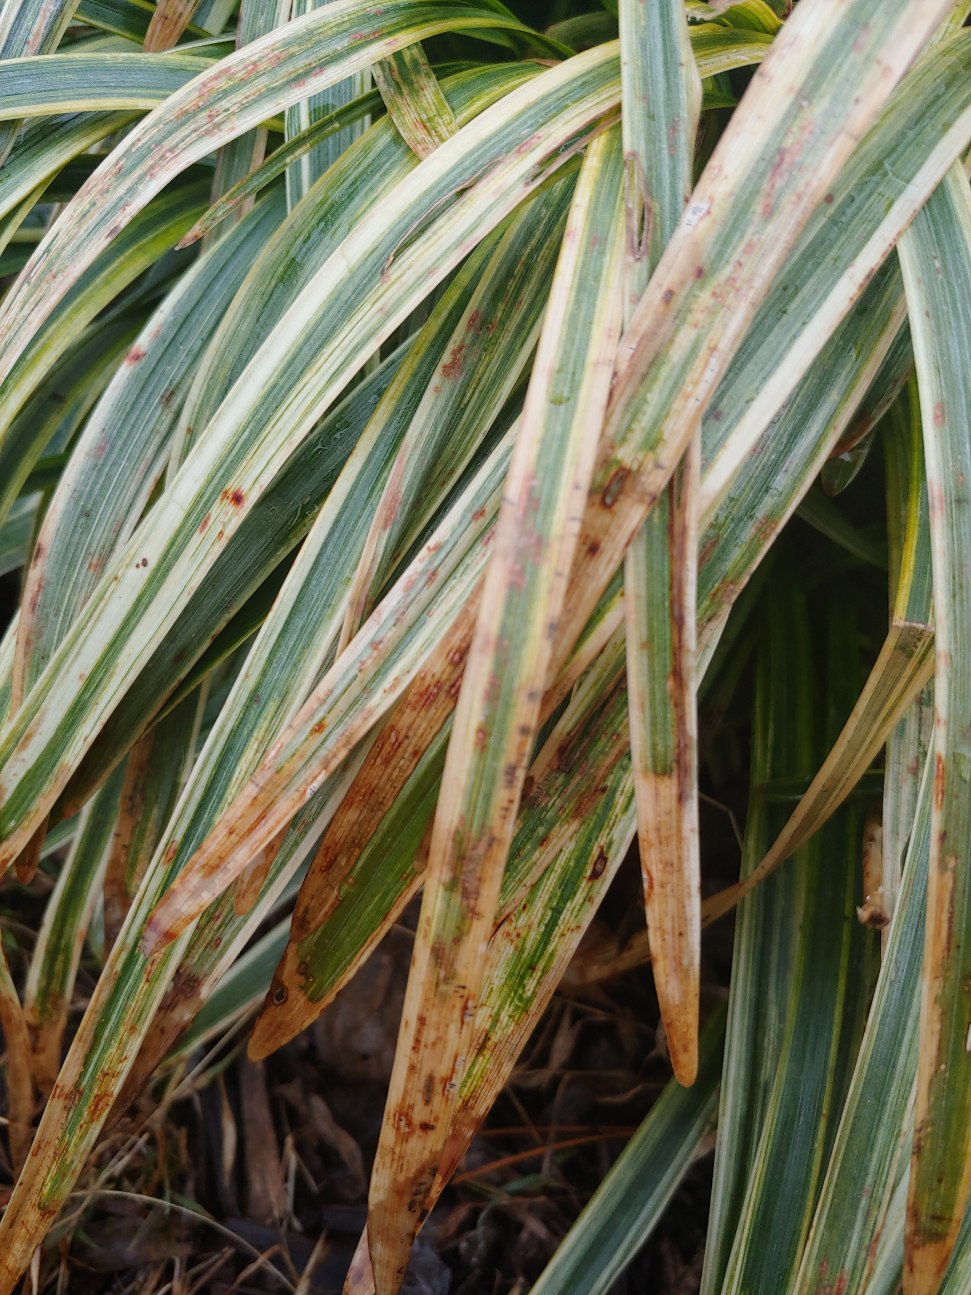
[280, 995]
[613, 488]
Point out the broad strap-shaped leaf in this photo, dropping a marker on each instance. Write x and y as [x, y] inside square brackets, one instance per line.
[382, 820]
[241, 587]
[121, 18]
[299, 634]
[224, 932]
[715, 51]
[168, 22]
[935, 256]
[661, 103]
[498, 705]
[285, 158]
[902, 669]
[575, 66]
[102, 83]
[414, 100]
[908, 744]
[426, 400]
[737, 539]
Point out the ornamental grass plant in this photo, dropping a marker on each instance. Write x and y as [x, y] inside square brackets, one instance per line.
[444, 448]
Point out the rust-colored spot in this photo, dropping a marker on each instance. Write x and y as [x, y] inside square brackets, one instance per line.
[234, 497]
[453, 365]
[667, 296]
[699, 271]
[828, 200]
[428, 1090]
[134, 355]
[940, 776]
[426, 1126]
[599, 864]
[939, 418]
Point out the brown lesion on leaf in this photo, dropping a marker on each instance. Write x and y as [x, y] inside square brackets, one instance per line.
[599, 864]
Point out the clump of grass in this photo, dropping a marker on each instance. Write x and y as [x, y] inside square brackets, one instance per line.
[400, 409]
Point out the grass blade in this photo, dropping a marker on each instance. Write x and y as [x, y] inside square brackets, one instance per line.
[414, 100]
[935, 256]
[661, 105]
[498, 706]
